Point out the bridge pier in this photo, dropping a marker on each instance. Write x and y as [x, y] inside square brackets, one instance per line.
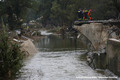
[113, 56]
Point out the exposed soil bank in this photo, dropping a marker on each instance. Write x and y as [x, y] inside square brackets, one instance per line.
[29, 47]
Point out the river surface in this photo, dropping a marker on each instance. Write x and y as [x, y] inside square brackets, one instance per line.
[58, 59]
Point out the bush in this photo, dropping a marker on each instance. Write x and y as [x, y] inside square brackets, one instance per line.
[10, 57]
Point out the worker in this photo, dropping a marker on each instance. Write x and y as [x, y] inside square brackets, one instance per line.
[86, 14]
[80, 14]
[83, 14]
[89, 14]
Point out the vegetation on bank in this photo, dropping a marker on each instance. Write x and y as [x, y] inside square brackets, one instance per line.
[54, 12]
[14, 11]
[64, 12]
[54, 30]
[10, 57]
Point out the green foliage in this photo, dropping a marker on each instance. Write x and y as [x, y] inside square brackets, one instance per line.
[54, 30]
[55, 12]
[10, 56]
[64, 12]
[117, 4]
[61, 10]
[16, 10]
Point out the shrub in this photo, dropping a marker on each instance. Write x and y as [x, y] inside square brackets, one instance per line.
[10, 56]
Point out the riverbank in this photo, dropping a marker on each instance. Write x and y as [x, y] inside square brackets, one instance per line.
[25, 40]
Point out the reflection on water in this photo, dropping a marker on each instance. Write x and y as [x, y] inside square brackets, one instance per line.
[53, 43]
[58, 59]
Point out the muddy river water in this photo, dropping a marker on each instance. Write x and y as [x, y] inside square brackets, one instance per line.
[58, 59]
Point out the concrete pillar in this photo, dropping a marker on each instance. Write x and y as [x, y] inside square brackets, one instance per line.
[113, 56]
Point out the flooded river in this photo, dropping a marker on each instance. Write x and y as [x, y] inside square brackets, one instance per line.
[58, 59]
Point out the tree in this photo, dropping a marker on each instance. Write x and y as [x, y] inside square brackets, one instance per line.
[117, 6]
[64, 12]
[45, 11]
[16, 10]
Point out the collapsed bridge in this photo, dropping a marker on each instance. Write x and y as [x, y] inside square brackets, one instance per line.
[97, 31]
[103, 34]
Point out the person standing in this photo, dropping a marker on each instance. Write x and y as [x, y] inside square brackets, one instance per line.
[83, 14]
[89, 14]
[80, 14]
[86, 14]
